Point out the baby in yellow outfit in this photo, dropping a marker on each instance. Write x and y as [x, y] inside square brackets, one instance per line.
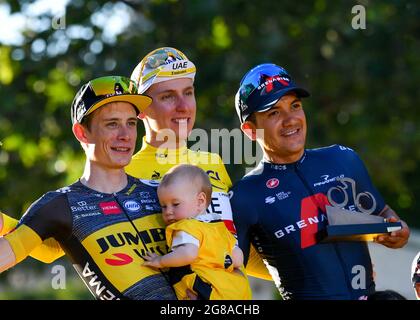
[204, 257]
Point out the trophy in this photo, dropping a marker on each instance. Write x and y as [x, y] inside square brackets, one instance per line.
[347, 225]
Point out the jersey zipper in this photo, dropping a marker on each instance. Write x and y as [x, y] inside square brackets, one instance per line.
[142, 240]
[131, 222]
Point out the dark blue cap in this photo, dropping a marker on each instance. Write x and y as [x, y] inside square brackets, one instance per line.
[262, 87]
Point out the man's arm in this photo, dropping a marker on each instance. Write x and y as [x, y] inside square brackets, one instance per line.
[47, 252]
[237, 257]
[397, 239]
[181, 255]
[7, 256]
[244, 217]
[6, 223]
[16, 246]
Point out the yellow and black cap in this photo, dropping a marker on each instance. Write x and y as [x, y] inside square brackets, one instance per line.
[101, 91]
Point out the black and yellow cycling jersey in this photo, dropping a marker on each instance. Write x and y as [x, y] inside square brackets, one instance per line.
[104, 235]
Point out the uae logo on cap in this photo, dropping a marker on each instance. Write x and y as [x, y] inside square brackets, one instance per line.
[272, 183]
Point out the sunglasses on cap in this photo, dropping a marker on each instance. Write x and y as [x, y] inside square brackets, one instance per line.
[100, 91]
[262, 87]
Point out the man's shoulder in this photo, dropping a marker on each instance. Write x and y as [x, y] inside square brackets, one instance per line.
[62, 191]
[332, 151]
[48, 198]
[250, 179]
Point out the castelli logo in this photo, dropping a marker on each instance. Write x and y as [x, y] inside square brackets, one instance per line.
[272, 183]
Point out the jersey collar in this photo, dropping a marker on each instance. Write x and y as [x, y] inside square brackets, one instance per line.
[160, 153]
[131, 185]
[208, 217]
[284, 166]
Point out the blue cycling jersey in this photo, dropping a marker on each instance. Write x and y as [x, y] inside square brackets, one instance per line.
[280, 208]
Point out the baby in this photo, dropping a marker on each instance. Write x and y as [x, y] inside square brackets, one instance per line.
[209, 262]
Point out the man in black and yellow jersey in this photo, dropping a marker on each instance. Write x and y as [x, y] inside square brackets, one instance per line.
[106, 221]
[167, 75]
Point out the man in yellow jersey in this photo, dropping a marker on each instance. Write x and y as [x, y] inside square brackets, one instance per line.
[167, 75]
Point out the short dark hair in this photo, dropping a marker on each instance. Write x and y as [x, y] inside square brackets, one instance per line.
[252, 118]
[87, 121]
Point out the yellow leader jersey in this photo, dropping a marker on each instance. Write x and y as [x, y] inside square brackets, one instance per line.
[211, 276]
[152, 163]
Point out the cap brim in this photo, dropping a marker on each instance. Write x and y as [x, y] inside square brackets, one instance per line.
[140, 102]
[301, 93]
[165, 73]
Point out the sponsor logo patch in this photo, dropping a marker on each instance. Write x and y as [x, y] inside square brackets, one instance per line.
[283, 195]
[270, 200]
[121, 259]
[111, 207]
[272, 183]
[132, 206]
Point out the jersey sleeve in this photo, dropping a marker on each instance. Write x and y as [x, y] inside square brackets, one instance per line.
[23, 240]
[182, 237]
[187, 226]
[9, 224]
[364, 183]
[47, 252]
[48, 217]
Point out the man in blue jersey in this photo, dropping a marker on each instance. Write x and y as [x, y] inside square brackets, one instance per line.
[279, 207]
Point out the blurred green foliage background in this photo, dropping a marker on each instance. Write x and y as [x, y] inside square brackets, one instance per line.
[364, 82]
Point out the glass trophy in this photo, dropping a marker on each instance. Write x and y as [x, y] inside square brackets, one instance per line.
[357, 225]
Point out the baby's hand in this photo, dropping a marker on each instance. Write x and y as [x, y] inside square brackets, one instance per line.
[153, 260]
